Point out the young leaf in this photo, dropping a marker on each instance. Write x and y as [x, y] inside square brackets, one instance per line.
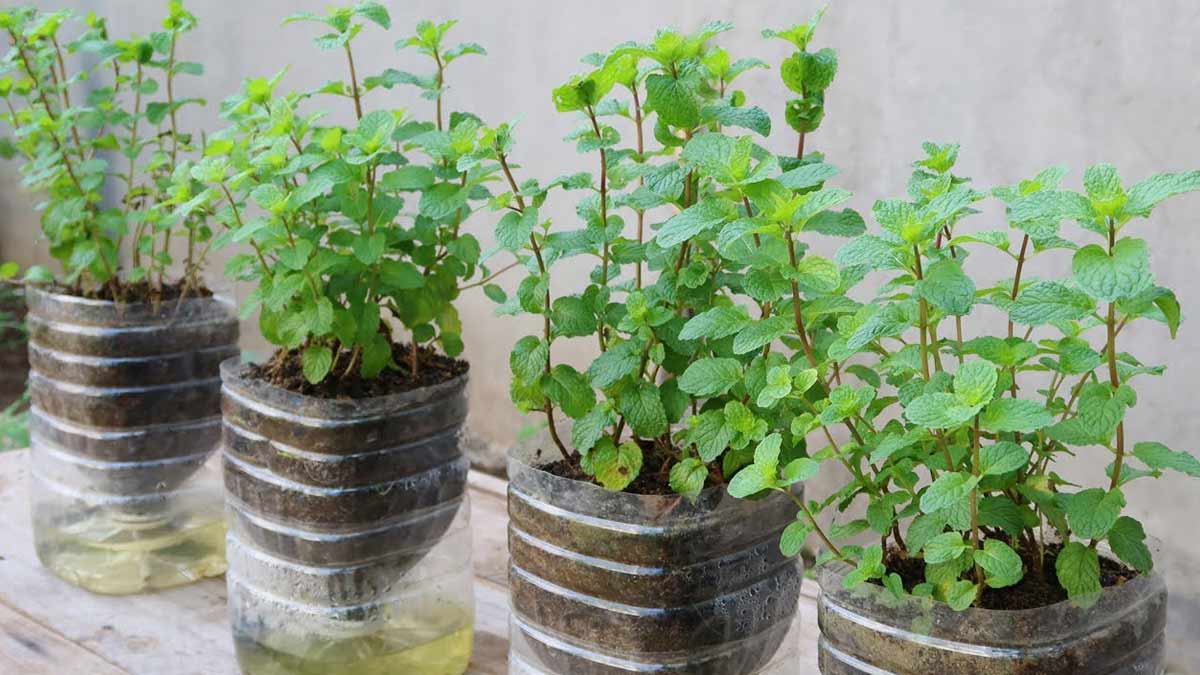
[688, 477]
[317, 360]
[1078, 570]
[1002, 565]
[791, 542]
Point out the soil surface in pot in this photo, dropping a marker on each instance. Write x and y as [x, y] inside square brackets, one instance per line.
[137, 293]
[286, 371]
[1036, 589]
[654, 478]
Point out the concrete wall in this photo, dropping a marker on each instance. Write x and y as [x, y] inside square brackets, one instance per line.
[1021, 84]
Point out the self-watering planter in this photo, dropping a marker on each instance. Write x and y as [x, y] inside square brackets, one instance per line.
[610, 582]
[348, 546]
[869, 631]
[125, 412]
[14, 354]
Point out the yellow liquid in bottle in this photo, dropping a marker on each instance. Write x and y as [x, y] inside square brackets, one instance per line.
[439, 647]
[119, 554]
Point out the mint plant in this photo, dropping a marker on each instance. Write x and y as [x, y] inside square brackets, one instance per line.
[122, 138]
[686, 386]
[960, 453]
[348, 226]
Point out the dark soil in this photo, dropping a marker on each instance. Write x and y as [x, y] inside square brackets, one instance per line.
[1034, 590]
[138, 293]
[286, 371]
[654, 478]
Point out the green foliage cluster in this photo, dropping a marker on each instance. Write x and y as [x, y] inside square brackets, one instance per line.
[684, 372]
[955, 439]
[121, 138]
[344, 226]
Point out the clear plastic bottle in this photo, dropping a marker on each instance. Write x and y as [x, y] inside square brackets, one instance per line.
[125, 415]
[608, 583]
[349, 543]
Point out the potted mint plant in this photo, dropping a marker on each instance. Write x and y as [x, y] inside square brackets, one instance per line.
[990, 560]
[627, 552]
[344, 471]
[124, 383]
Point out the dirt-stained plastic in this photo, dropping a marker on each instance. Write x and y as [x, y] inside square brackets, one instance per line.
[610, 583]
[869, 631]
[125, 413]
[14, 354]
[349, 547]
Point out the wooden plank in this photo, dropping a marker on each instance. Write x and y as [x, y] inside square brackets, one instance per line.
[32, 649]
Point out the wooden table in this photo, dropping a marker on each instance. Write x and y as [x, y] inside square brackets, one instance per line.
[50, 627]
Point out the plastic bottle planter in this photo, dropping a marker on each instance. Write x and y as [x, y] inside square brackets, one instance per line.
[14, 354]
[609, 583]
[349, 549]
[869, 631]
[125, 413]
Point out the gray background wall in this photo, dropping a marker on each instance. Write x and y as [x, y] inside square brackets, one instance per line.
[1021, 84]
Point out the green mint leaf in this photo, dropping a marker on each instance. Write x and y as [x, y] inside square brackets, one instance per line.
[1092, 513]
[1006, 352]
[1002, 565]
[950, 488]
[1021, 415]
[618, 362]
[572, 316]
[799, 470]
[924, 528]
[617, 466]
[807, 175]
[715, 323]
[528, 358]
[674, 101]
[939, 411]
[946, 287]
[1148, 193]
[761, 333]
[688, 477]
[710, 434]
[590, 428]
[975, 383]
[945, 547]
[711, 377]
[1104, 189]
[961, 594]
[1001, 458]
[1078, 570]
[1124, 274]
[1158, 456]
[844, 223]
[1128, 541]
[1048, 301]
[369, 249]
[816, 274]
[570, 390]
[642, 406]
[316, 360]
[707, 214]
[791, 542]
[750, 481]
